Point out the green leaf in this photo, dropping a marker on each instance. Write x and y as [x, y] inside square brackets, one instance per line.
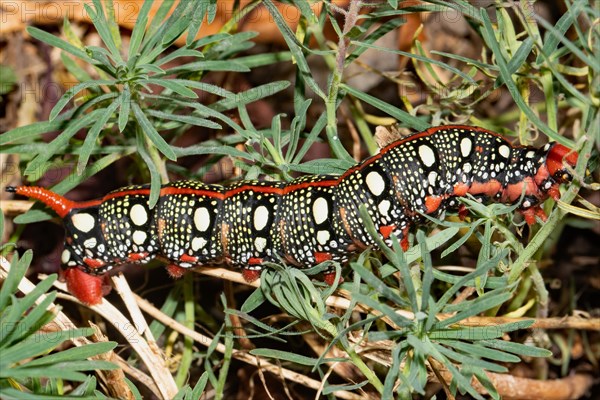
[480, 351]
[17, 272]
[517, 59]
[208, 65]
[90, 140]
[170, 84]
[467, 360]
[378, 285]
[35, 129]
[593, 62]
[250, 95]
[285, 356]
[36, 345]
[152, 134]
[31, 322]
[562, 26]
[139, 29]
[186, 119]
[125, 107]
[61, 44]
[322, 167]
[65, 98]
[481, 304]
[405, 118]
[296, 49]
[100, 23]
[516, 348]
[74, 353]
[489, 36]
[199, 387]
[79, 73]
[60, 142]
[155, 180]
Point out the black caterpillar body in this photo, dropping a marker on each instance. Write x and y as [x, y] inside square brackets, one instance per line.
[308, 220]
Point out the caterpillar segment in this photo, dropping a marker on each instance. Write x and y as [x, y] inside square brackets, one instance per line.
[306, 221]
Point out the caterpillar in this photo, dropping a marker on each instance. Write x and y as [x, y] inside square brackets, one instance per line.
[306, 221]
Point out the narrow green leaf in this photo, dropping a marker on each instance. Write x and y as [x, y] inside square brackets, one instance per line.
[467, 360]
[17, 272]
[151, 132]
[61, 44]
[321, 167]
[199, 387]
[31, 322]
[208, 65]
[90, 139]
[517, 59]
[406, 119]
[284, 355]
[296, 49]
[39, 344]
[591, 62]
[250, 95]
[378, 285]
[477, 306]
[65, 98]
[155, 180]
[113, 26]
[139, 29]
[186, 119]
[516, 348]
[99, 20]
[181, 52]
[481, 351]
[489, 37]
[35, 166]
[74, 353]
[563, 24]
[125, 107]
[171, 84]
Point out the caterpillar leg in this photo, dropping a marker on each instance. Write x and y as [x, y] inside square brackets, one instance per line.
[89, 289]
[530, 213]
[329, 278]
[175, 271]
[251, 273]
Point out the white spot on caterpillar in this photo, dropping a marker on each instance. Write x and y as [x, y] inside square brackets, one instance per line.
[384, 207]
[139, 237]
[138, 214]
[202, 219]
[260, 243]
[375, 183]
[323, 237]
[504, 151]
[320, 210]
[198, 243]
[90, 243]
[84, 222]
[65, 256]
[261, 217]
[465, 147]
[427, 155]
[432, 177]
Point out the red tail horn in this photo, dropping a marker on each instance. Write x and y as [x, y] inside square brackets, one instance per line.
[59, 204]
